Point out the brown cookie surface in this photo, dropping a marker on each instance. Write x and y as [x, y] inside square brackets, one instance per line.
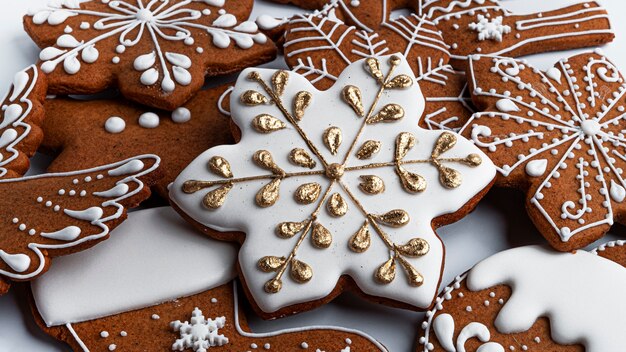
[22, 116]
[157, 53]
[53, 215]
[78, 132]
[321, 45]
[557, 135]
[502, 304]
[485, 27]
[615, 251]
[333, 190]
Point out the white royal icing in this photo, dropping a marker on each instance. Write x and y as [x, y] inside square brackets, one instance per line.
[181, 115]
[584, 129]
[115, 124]
[133, 21]
[69, 236]
[240, 213]
[153, 257]
[16, 107]
[149, 120]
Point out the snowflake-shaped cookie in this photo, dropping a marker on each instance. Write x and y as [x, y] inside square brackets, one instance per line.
[334, 183]
[200, 334]
[486, 27]
[158, 50]
[558, 134]
[322, 44]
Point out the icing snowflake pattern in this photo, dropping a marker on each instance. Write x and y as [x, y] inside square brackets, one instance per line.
[341, 170]
[199, 335]
[490, 29]
[417, 38]
[132, 21]
[562, 130]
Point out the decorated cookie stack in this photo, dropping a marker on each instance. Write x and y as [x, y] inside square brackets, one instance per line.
[282, 189]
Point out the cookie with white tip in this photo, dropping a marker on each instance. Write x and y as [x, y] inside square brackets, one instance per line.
[334, 190]
[487, 27]
[124, 129]
[57, 214]
[21, 115]
[320, 45]
[157, 53]
[158, 277]
[531, 299]
[615, 251]
[558, 135]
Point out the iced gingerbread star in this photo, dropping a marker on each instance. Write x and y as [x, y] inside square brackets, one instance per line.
[558, 135]
[157, 51]
[333, 184]
[486, 27]
[322, 44]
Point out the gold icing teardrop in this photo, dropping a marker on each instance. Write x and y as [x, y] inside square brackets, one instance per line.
[361, 240]
[352, 96]
[308, 193]
[336, 205]
[473, 160]
[368, 149]
[289, 229]
[271, 263]
[321, 236]
[411, 182]
[404, 142]
[220, 166]
[300, 103]
[389, 113]
[268, 195]
[252, 98]
[393, 218]
[449, 177]
[273, 286]
[279, 81]
[414, 278]
[374, 68]
[372, 184]
[445, 142]
[399, 81]
[264, 159]
[265, 123]
[333, 139]
[386, 273]
[216, 198]
[416, 247]
[301, 272]
[301, 157]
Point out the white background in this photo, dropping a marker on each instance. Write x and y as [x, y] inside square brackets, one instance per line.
[498, 223]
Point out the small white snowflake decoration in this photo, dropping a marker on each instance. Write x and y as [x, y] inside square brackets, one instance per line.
[490, 29]
[200, 334]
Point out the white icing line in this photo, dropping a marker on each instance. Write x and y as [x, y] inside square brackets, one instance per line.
[76, 337]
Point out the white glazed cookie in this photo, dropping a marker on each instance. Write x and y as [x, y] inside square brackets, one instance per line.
[486, 27]
[331, 184]
[558, 135]
[531, 299]
[158, 277]
[51, 215]
[157, 52]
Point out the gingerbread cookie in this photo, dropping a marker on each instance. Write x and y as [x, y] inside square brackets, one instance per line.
[334, 190]
[124, 129]
[157, 52]
[322, 44]
[157, 277]
[531, 299]
[51, 215]
[558, 136]
[615, 251]
[485, 27]
[22, 114]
